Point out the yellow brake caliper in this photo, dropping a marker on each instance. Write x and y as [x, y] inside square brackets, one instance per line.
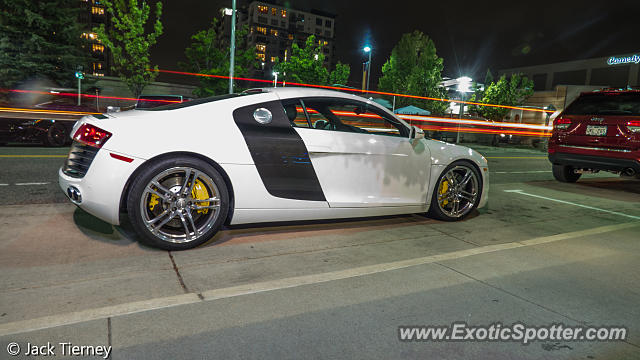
[444, 186]
[153, 201]
[200, 192]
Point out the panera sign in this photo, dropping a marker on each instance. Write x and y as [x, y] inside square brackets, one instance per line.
[633, 59]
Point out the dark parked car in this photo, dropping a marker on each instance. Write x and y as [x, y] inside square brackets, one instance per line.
[599, 131]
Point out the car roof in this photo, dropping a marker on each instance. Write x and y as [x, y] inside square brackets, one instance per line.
[297, 91]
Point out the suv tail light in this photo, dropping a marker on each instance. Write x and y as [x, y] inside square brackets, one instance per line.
[562, 123]
[91, 135]
[634, 126]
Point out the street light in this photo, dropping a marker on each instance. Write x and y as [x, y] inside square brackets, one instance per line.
[464, 86]
[275, 80]
[232, 47]
[367, 49]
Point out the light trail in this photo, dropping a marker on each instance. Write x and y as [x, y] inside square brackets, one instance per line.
[85, 95]
[354, 90]
[45, 111]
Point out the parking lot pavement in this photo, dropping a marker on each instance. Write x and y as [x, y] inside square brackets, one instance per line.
[541, 252]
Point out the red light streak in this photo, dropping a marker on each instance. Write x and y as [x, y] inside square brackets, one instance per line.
[355, 90]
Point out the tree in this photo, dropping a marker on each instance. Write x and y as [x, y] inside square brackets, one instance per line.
[306, 65]
[414, 68]
[208, 53]
[39, 39]
[511, 92]
[340, 74]
[129, 43]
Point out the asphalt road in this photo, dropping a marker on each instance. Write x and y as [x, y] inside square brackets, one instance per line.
[541, 253]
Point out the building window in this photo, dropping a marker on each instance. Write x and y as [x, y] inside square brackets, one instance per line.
[97, 66]
[274, 59]
[263, 9]
[283, 23]
[290, 36]
[89, 36]
[262, 19]
[97, 10]
[283, 13]
[261, 56]
[274, 32]
[318, 31]
[274, 11]
[327, 23]
[274, 22]
[261, 48]
[261, 30]
[97, 47]
[327, 33]
[318, 21]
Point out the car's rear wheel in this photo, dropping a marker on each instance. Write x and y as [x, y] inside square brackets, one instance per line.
[565, 173]
[178, 203]
[56, 135]
[457, 192]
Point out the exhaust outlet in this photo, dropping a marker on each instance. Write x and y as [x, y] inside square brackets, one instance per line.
[74, 194]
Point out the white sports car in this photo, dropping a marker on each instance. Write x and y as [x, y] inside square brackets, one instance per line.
[181, 171]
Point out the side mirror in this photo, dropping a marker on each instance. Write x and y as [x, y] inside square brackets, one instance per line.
[416, 133]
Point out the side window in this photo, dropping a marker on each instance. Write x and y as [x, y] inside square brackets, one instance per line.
[351, 116]
[295, 112]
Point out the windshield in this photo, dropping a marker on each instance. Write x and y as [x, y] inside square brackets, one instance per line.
[606, 104]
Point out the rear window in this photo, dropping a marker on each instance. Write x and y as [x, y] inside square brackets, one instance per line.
[626, 104]
[145, 102]
[184, 104]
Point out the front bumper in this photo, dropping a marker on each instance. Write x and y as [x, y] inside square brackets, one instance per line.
[102, 186]
[594, 162]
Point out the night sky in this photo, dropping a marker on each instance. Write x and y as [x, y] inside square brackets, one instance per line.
[471, 36]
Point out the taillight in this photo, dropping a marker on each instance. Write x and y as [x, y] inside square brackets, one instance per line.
[634, 126]
[91, 135]
[562, 123]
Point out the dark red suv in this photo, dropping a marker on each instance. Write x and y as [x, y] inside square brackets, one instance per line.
[599, 131]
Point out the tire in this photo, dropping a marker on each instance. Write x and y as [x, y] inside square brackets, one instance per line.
[165, 213]
[447, 194]
[564, 173]
[56, 135]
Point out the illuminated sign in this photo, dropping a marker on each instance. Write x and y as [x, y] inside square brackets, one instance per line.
[633, 59]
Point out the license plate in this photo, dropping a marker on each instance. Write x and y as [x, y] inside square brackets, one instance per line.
[596, 130]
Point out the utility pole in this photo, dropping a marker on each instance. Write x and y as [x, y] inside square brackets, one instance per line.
[232, 48]
[79, 76]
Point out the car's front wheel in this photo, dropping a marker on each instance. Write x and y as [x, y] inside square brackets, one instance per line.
[457, 192]
[565, 173]
[178, 203]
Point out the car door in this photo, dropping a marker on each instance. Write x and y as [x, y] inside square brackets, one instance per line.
[363, 157]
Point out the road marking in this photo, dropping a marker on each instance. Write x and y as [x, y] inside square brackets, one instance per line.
[272, 285]
[522, 172]
[33, 156]
[574, 204]
[4, 184]
[515, 157]
[32, 183]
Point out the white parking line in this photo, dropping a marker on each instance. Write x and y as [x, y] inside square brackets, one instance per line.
[574, 204]
[32, 183]
[279, 284]
[4, 184]
[522, 172]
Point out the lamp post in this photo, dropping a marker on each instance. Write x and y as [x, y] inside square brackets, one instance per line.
[464, 86]
[367, 49]
[232, 47]
[275, 78]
